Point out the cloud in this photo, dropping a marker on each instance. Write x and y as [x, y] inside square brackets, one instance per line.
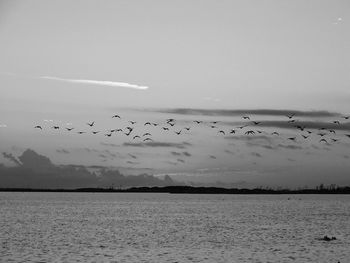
[157, 144]
[240, 112]
[37, 171]
[62, 151]
[97, 82]
[12, 158]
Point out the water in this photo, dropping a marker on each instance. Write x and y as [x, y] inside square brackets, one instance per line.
[109, 227]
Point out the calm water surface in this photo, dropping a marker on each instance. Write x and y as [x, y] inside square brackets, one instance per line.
[109, 227]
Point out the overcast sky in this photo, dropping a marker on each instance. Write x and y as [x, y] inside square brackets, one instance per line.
[80, 61]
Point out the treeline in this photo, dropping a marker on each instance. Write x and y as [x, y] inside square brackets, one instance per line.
[194, 190]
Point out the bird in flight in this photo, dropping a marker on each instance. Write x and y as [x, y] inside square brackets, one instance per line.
[38, 127]
[147, 123]
[55, 127]
[91, 124]
[336, 122]
[290, 116]
[116, 116]
[165, 128]
[108, 134]
[241, 127]
[147, 139]
[69, 129]
[187, 128]
[305, 136]
[136, 136]
[221, 131]
[132, 122]
[146, 134]
[275, 133]
[232, 131]
[80, 132]
[213, 126]
[346, 117]
[198, 122]
[256, 122]
[250, 132]
[323, 140]
[291, 121]
[334, 140]
[246, 118]
[95, 132]
[292, 138]
[178, 132]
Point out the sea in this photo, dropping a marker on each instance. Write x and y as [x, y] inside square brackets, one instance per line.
[152, 227]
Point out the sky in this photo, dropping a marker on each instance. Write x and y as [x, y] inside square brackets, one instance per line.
[67, 63]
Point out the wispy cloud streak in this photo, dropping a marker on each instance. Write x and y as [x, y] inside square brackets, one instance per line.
[97, 82]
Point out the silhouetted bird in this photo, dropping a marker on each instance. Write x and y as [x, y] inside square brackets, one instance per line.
[147, 123]
[171, 124]
[187, 128]
[55, 127]
[249, 132]
[170, 120]
[275, 133]
[146, 134]
[132, 122]
[322, 134]
[147, 139]
[347, 135]
[95, 132]
[69, 129]
[81, 132]
[309, 132]
[232, 131]
[346, 117]
[136, 136]
[323, 140]
[214, 122]
[221, 132]
[336, 122]
[246, 117]
[165, 128]
[38, 127]
[292, 138]
[130, 129]
[256, 122]
[305, 137]
[91, 124]
[198, 122]
[241, 127]
[291, 121]
[300, 127]
[178, 132]
[332, 131]
[213, 126]
[289, 116]
[155, 124]
[108, 134]
[334, 140]
[116, 116]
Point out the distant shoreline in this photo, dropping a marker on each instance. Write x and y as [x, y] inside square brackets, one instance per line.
[187, 190]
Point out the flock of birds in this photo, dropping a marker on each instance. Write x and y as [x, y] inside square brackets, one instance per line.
[325, 135]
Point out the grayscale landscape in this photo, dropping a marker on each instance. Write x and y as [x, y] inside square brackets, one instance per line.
[174, 131]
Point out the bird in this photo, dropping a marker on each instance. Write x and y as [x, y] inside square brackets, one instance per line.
[147, 139]
[275, 133]
[292, 138]
[155, 124]
[91, 124]
[55, 127]
[213, 126]
[178, 132]
[241, 127]
[232, 131]
[95, 132]
[171, 124]
[170, 120]
[291, 121]
[346, 117]
[198, 122]
[323, 140]
[309, 132]
[116, 116]
[165, 128]
[336, 122]
[250, 132]
[146, 134]
[290, 116]
[300, 127]
[334, 140]
[130, 129]
[119, 130]
[80, 132]
[259, 131]
[347, 135]
[187, 128]
[221, 131]
[108, 134]
[305, 136]
[127, 133]
[214, 122]
[132, 122]
[38, 127]
[256, 122]
[136, 136]
[246, 117]
[321, 134]
[69, 129]
[113, 130]
[332, 131]
[147, 123]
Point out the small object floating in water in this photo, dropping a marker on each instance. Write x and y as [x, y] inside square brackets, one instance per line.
[326, 238]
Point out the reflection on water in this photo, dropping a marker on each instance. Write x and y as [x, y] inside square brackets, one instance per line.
[112, 227]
